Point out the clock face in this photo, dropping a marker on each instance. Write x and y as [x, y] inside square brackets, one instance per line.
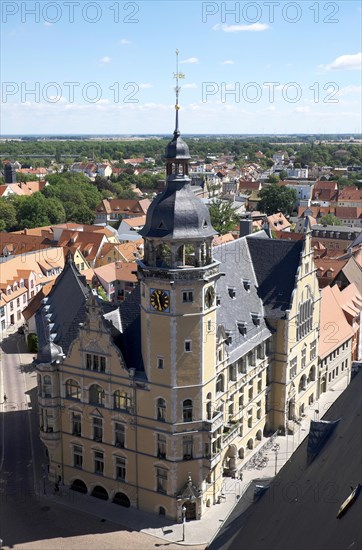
[209, 296]
[160, 299]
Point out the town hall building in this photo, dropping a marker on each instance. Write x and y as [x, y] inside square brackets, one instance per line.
[151, 403]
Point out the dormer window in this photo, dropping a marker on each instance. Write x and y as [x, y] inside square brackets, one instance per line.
[15, 287]
[218, 300]
[256, 318]
[229, 337]
[247, 284]
[242, 327]
[232, 292]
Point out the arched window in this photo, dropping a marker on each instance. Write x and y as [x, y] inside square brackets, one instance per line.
[96, 395]
[72, 389]
[220, 383]
[163, 256]
[187, 410]
[311, 377]
[161, 409]
[162, 511]
[302, 383]
[209, 410]
[121, 400]
[47, 386]
[190, 254]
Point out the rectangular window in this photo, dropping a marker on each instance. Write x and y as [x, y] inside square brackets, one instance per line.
[304, 357]
[95, 362]
[77, 456]
[161, 478]
[242, 365]
[188, 345]
[187, 447]
[232, 372]
[161, 446]
[2, 311]
[250, 418]
[293, 367]
[76, 424]
[160, 363]
[313, 350]
[119, 435]
[24, 298]
[97, 429]
[18, 302]
[188, 296]
[98, 462]
[120, 468]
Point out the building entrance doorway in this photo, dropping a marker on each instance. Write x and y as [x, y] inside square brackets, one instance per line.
[190, 510]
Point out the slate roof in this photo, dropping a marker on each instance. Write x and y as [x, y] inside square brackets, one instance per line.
[64, 309]
[130, 340]
[236, 263]
[299, 510]
[177, 213]
[275, 264]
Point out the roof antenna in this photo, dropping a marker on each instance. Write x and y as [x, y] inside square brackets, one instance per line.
[178, 76]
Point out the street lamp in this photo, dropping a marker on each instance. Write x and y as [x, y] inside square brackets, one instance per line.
[183, 521]
[276, 449]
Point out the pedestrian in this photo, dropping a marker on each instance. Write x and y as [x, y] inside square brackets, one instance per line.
[56, 487]
[5, 398]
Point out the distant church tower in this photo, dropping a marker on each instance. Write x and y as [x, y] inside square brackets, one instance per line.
[178, 320]
[9, 173]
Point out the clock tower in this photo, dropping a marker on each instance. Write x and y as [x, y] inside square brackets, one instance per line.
[178, 321]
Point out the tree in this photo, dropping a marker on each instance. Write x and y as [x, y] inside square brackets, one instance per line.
[277, 199]
[330, 219]
[7, 215]
[272, 179]
[223, 216]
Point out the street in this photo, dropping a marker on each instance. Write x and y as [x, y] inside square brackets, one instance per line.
[28, 519]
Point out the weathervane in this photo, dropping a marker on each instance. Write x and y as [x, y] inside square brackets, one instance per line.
[178, 76]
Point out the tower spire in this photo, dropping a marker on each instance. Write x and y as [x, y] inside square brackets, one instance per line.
[177, 75]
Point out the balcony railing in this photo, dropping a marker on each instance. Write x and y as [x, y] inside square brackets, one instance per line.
[215, 422]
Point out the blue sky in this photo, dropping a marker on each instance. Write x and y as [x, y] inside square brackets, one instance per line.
[297, 70]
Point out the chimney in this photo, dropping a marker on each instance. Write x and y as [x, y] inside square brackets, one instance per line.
[246, 226]
[9, 173]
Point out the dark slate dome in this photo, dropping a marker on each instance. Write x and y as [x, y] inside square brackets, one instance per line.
[177, 213]
[177, 148]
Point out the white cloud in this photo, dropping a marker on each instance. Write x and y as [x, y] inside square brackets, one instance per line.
[349, 90]
[352, 61]
[48, 24]
[228, 62]
[105, 59]
[190, 60]
[125, 42]
[190, 86]
[271, 108]
[302, 109]
[145, 85]
[255, 27]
